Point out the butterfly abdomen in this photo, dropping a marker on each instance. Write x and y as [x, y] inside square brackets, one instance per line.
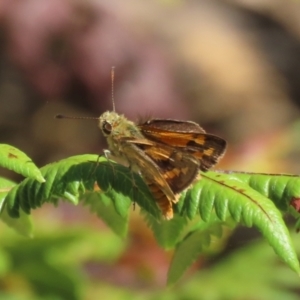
[161, 199]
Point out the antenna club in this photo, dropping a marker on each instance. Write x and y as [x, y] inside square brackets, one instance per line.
[59, 116]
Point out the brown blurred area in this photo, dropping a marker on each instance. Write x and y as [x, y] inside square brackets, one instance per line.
[232, 66]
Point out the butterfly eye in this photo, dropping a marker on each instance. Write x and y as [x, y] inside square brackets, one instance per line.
[106, 127]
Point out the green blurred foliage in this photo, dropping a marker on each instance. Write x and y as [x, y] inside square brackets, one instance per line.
[51, 265]
[54, 265]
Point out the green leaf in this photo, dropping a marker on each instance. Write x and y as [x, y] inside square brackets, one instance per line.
[71, 178]
[189, 249]
[5, 186]
[281, 188]
[22, 225]
[17, 161]
[227, 196]
[191, 205]
[167, 233]
[103, 206]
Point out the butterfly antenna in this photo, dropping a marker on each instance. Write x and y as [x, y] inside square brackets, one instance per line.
[112, 73]
[60, 116]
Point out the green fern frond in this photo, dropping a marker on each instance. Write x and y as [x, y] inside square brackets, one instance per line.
[110, 189]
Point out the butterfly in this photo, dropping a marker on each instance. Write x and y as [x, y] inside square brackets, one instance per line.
[167, 153]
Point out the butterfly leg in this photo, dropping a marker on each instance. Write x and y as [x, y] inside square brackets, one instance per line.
[108, 155]
[92, 174]
[95, 168]
[133, 184]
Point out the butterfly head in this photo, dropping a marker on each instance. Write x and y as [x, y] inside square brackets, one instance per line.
[108, 121]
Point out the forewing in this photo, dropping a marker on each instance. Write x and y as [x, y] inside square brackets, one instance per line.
[172, 125]
[187, 136]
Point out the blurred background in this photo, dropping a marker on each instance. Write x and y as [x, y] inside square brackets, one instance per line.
[232, 66]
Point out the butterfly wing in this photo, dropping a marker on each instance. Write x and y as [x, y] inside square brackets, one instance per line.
[178, 168]
[133, 151]
[167, 171]
[152, 174]
[173, 125]
[187, 136]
